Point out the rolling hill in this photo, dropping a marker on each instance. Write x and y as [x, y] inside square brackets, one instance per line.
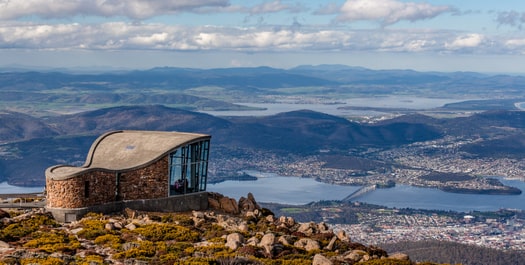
[67, 138]
[43, 142]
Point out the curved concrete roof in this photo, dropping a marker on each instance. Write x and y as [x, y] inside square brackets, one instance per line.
[126, 150]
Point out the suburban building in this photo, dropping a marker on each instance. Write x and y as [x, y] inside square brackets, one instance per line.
[141, 170]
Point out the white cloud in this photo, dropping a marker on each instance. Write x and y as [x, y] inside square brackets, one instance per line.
[150, 40]
[162, 37]
[134, 9]
[465, 41]
[30, 36]
[515, 43]
[388, 12]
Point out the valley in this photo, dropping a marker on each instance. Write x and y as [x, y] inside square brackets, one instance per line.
[400, 132]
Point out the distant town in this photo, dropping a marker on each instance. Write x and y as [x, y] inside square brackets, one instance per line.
[407, 165]
[377, 225]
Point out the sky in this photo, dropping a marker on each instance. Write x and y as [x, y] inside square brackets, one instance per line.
[466, 35]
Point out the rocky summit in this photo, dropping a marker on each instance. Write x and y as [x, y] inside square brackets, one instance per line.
[229, 232]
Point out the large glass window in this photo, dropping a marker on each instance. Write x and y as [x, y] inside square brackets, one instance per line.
[189, 168]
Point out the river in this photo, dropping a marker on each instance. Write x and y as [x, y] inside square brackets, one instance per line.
[274, 188]
[10, 189]
[294, 190]
[407, 102]
[270, 187]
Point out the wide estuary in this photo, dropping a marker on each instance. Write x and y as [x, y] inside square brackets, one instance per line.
[293, 190]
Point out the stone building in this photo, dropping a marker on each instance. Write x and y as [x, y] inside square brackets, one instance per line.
[141, 170]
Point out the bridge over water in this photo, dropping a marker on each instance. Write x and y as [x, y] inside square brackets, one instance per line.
[359, 192]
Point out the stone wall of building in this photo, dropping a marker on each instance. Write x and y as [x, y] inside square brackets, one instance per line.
[85, 190]
[98, 187]
[150, 182]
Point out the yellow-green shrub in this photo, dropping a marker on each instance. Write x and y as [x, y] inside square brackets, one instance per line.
[215, 250]
[180, 219]
[90, 260]
[53, 242]
[212, 231]
[108, 240]
[92, 228]
[179, 245]
[184, 220]
[297, 262]
[197, 261]
[142, 250]
[163, 232]
[42, 261]
[15, 231]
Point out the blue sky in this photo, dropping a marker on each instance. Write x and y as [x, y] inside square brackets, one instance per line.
[466, 35]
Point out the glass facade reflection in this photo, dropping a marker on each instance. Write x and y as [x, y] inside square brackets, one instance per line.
[188, 168]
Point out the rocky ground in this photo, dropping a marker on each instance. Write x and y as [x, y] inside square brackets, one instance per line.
[230, 232]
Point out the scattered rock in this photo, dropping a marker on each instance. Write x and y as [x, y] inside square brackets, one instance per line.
[109, 227]
[229, 205]
[321, 260]
[234, 241]
[285, 240]
[130, 214]
[399, 256]
[270, 218]
[199, 218]
[290, 221]
[354, 257]
[198, 214]
[213, 203]
[131, 226]
[248, 204]
[5, 247]
[253, 241]
[342, 236]
[267, 242]
[4, 244]
[231, 223]
[243, 227]
[330, 245]
[307, 243]
[118, 225]
[269, 237]
[322, 228]
[4, 214]
[307, 228]
[251, 216]
[76, 230]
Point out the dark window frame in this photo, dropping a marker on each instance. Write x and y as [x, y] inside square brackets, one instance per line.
[86, 189]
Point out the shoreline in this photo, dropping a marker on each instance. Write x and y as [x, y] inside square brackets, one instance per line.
[507, 191]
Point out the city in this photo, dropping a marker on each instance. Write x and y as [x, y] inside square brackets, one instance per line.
[407, 166]
[404, 165]
[390, 227]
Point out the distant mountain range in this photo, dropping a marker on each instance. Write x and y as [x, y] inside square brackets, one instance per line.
[255, 77]
[33, 144]
[260, 79]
